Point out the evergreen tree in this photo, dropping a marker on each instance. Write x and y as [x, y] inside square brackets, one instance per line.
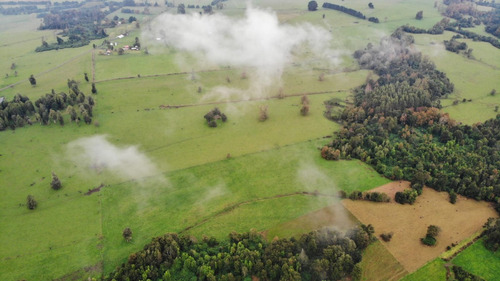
[56, 183]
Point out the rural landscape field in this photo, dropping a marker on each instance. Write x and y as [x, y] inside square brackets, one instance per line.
[249, 140]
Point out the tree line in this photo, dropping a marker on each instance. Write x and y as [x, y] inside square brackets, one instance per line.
[32, 7]
[348, 11]
[21, 111]
[319, 255]
[396, 126]
[466, 15]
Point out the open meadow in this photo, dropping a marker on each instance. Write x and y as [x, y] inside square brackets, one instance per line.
[149, 161]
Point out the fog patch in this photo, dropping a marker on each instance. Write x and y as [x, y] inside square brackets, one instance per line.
[213, 193]
[313, 179]
[96, 154]
[256, 42]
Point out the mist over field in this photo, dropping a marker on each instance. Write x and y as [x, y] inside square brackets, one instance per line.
[97, 154]
[256, 41]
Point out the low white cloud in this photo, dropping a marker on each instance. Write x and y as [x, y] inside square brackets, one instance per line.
[256, 42]
[97, 154]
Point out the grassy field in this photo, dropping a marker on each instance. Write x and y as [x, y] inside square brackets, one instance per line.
[192, 185]
[477, 260]
[473, 78]
[432, 271]
[380, 264]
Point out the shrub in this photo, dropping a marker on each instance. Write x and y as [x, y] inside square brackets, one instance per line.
[453, 197]
[31, 202]
[386, 236]
[408, 196]
[56, 183]
[127, 234]
[428, 240]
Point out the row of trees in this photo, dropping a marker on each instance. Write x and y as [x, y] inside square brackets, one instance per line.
[348, 11]
[395, 125]
[320, 255]
[20, 111]
[368, 196]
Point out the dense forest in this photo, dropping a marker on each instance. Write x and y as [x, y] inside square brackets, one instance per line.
[396, 126]
[492, 235]
[80, 26]
[319, 255]
[20, 111]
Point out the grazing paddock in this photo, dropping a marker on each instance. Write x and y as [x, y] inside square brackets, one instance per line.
[409, 223]
[433, 271]
[333, 215]
[379, 264]
[479, 261]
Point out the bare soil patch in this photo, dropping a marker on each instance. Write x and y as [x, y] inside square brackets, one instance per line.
[409, 222]
[391, 188]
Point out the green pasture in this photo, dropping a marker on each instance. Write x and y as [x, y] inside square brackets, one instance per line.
[432, 271]
[241, 175]
[379, 264]
[473, 78]
[477, 260]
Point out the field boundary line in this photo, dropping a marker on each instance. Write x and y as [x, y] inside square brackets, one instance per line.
[234, 206]
[159, 75]
[46, 71]
[251, 99]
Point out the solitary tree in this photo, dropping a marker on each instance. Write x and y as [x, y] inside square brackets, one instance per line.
[137, 43]
[56, 183]
[420, 15]
[94, 90]
[127, 234]
[263, 113]
[370, 5]
[13, 66]
[60, 41]
[86, 77]
[312, 6]
[207, 9]
[181, 9]
[31, 202]
[430, 237]
[304, 110]
[32, 80]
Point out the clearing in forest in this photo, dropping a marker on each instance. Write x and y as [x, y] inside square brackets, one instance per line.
[409, 223]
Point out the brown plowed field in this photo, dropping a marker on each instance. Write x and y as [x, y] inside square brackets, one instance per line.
[409, 222]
